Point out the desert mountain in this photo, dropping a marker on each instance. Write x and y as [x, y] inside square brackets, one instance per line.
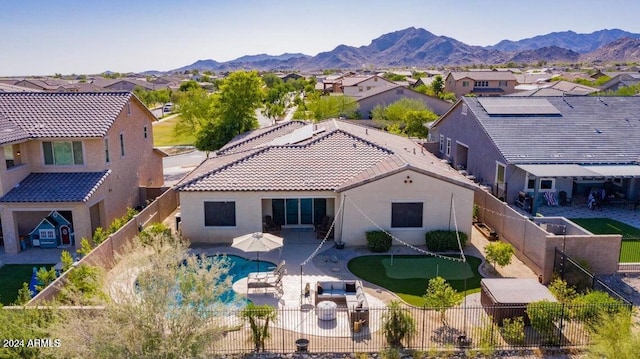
[420, 48]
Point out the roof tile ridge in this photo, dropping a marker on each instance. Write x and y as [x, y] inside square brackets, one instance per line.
[223, 167]
[245, 141]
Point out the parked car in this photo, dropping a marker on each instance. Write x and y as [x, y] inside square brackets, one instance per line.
[168, 107]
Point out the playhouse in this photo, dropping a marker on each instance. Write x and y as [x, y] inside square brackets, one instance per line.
[54, 230]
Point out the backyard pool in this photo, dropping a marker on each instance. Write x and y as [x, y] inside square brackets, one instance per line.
[239, 268]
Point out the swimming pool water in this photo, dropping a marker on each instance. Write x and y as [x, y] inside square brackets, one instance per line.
[240, 268]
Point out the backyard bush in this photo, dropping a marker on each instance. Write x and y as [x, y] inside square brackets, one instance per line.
[444, 240]
[378, 241]
[513, 330]
[543, 316]
[590, 307]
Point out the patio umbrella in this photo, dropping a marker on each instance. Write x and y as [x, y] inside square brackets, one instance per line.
[257, 242]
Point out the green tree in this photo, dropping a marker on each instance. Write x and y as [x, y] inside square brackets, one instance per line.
[406, 117]
[172, 314]
[67, 260]
[45, 277]
[20, 325]
[24, 295]
[320, 108]
[397, 324]
[231, 111]
[499, 253]
[437, 85]
[441, 296]
[259, 317]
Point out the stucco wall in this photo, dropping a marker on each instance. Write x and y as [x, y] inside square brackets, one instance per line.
[534, 245]
[375, 199]
[367, 104]
[249, 213]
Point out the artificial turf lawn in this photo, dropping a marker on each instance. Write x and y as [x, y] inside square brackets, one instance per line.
[412, 285]
[164, 135]
[11, 278]
[630, 251]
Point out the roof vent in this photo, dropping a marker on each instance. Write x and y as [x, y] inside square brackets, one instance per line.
[597, 130]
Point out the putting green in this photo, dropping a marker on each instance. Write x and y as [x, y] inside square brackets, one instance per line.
[425, 267]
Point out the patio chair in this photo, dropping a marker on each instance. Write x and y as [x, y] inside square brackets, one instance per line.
[563, 199]
[274, 282]
[269, 226]
[258, 276]
[323, 228]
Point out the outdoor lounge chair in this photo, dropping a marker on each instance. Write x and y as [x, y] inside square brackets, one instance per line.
[274, 282]
[260, 276]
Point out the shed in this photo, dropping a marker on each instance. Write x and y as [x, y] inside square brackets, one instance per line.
[52, 231]
[508, 297]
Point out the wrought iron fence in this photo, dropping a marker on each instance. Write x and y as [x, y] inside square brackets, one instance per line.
[577, 276]
[472, 327]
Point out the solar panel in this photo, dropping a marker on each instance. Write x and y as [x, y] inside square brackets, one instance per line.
[301, 134]
[518, 106]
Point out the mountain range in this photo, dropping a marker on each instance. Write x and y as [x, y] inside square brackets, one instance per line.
[417, 47]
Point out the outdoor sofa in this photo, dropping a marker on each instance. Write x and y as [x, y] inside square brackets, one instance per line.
[348, 293]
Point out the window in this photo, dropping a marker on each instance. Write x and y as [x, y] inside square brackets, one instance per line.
[12, 156]
[62, 153]
[47, 234]
[121, 144]
[465, 83]
[481, 84]
[500, 173]
[145, 132]
[220, 214]
[106, 150]
[502, 83]
[547, 184]
[360, 89]
[448, 147]
[406, 215]
[441, 143]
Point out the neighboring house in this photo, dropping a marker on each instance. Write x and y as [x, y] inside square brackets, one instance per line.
[556, 88]
[355, 85]
[387, 95]
[46, 84]
[87, 156]
[480, 83]
[300, 173]
[130, 85]
[621, 80]
[545, 144]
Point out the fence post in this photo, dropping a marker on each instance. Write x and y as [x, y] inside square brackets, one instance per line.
[561, 324]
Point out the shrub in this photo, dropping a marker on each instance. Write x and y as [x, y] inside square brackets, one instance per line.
[543, 316]
[443, 240]
[397, 324]
[590, 307]
[378, 241]
[513, 330]
[562, 291]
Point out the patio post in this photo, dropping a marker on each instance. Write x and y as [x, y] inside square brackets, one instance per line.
[534, 200]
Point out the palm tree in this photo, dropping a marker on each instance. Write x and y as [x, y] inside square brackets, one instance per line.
[397, 324]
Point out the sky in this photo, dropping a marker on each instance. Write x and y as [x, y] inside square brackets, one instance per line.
[45, 37]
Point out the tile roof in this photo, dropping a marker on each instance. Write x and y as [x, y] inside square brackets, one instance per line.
[69, 114]
[10, 132]
[483, 75]
[254, 139]
[338, 156]
[585, 129]
[56, 187]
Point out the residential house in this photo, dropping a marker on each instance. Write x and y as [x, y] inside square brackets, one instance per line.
[354, 85]
[621, 80]
[54, 230]
[387, 95]
[45, 84]
[555, 88]
[299, 174]
[480, 83]
[535, 145]
[87, 156]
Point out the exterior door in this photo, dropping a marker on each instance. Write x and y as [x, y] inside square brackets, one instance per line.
[65, 235]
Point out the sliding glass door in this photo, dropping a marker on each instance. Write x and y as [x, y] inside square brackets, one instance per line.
[298, 211]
